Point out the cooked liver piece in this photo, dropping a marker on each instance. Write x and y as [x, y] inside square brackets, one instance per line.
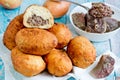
[104, 67]
[79, 20]
[97, 20]
[100, 10]
[112, 24]
[95, 25]
[100, 25]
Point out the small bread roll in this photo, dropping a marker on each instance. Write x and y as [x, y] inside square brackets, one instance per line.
[58, 9]
[28, 65]
[35, 41]
[81, 51]
[58, 63]
[9, 35]
[63, 34]
[37, 16]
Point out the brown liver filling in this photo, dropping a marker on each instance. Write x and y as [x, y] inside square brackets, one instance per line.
[37, 21]
[104, 67]
[97, 20]
[100, 10]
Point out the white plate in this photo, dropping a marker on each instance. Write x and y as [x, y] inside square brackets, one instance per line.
[10, 73]
[86, 73]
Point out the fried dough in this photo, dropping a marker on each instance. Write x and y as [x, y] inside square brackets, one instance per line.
[28, 65]
[35, 41]
[63, 34]
[81, 51]
[9, 35]
[58, 62]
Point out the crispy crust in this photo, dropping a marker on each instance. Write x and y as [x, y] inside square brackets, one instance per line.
[28, 65]
[63, 34]
[35, 41]
[9, 35]
[58, 62]
[81, 51]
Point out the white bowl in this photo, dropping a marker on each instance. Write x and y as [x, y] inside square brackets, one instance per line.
[95, 36]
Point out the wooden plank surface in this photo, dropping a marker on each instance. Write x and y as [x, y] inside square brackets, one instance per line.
[115, 44]
[6, 16]
[115, 41]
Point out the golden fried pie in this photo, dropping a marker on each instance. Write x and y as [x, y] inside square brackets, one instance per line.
[35, 41]
[81, 51]
[9, 36]
[36, 16]
[28, 65]
[58, 63]
[63, 34]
